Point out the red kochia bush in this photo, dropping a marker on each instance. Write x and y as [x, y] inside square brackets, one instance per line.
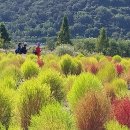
[40, 62]
[121, 111]
[92, 111]
[119, 69]
[92, 68]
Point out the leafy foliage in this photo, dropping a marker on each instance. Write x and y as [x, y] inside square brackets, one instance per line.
[64, 34]
[85, 18]
[64, 49]
[70, 66]
[82, 85]
[121, 110]
[55, 116]
[93, 108]
[33, 96]
[29, 69]
[120, 87]
[5, 107]
[114, 125]
[55, 81]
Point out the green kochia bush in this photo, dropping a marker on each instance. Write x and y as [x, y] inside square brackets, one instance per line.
[11, 77]
[70, 66]
[5, 107]
[107, 73]
[1, 127]
[117, 58]
[66, 62]
[33, 96]
[120, 87]
[114, 125]
[83, 83]
[29, 69]
[55, 81]
[53, 117]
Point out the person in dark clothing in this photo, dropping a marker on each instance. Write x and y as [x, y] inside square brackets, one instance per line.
[18, 50]
[24, 49]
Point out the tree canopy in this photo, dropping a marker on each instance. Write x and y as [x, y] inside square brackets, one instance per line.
[32, 20]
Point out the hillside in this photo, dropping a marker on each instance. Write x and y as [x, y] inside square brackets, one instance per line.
[35, 19]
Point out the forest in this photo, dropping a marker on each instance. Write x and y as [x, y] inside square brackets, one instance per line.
[31, 20]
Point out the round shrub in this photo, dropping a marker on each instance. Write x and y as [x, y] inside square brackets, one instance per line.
[119, 69]
[121, 111]
[55, 81]
[31, 57]
[93, 108]
[3, 63]
[5, 107]
[70, 66]
[66, 62]
[107, 73]
[64, 49]
[114, 125]
[33, 96]
[53, 117]
[117, 58]
[29, 69]
[83, 84]
[120, 87]
[125, 63]
[76, 67]
[11, 77]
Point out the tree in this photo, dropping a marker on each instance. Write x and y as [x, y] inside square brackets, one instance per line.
[64, 34]
[5, 36]
[102, 41]
[1, 42]
[50, 44]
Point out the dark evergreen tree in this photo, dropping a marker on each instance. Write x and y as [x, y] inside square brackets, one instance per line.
[64, 34]
[5, 36]
[102, 41]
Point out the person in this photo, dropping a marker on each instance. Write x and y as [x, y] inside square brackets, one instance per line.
[38, 50]
[24, 49]
[18, 50]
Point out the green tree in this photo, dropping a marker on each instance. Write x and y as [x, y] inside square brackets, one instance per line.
[5, 36]
[64, 34]
[1, 43]
[102, 41]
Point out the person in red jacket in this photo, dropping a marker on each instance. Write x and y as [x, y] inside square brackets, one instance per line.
[38, 50]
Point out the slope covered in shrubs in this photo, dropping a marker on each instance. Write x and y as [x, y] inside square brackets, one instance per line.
[65, 93]
[32, 20]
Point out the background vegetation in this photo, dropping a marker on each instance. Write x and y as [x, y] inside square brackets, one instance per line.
[32, 20]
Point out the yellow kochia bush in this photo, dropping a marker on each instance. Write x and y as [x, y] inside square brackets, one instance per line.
[107, 73]
[83, 83]
[120, 87]
[70, 65]
[55, 81]
[5, 107]
[33, 96]
[114, 125]
[53, 117]
[11, 77]
[29, 69]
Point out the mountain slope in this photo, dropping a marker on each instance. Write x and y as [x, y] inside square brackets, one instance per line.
[31, 19]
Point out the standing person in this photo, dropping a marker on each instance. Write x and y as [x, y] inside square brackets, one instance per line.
[18, 50]
[38, 50]
[24, 49]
